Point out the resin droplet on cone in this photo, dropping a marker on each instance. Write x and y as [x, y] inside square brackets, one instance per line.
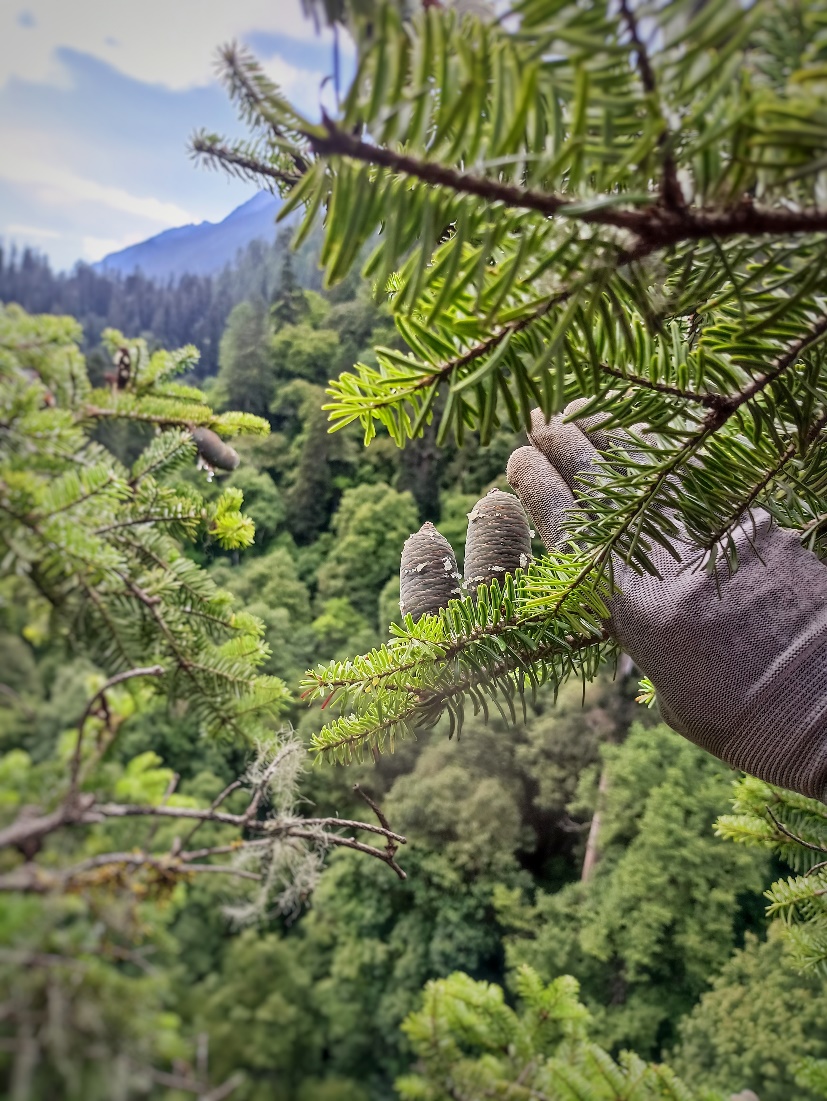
[428, 576]
[498, 541]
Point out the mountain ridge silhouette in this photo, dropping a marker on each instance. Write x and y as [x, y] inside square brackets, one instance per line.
[197, 249]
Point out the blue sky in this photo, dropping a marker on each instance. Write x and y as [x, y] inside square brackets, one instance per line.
[98, 99]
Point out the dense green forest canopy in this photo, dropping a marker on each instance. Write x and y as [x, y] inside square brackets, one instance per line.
[572, 918]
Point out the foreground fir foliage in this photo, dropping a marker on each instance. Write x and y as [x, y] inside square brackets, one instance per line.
[795, 828]
[472, 650]
[617, 202]
[470, 1044]
[95, 843]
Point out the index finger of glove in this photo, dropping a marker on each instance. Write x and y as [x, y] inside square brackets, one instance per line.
[568, 449]
[580, 448]
[543, 493]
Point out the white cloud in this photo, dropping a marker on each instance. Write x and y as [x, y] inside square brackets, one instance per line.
[56, 186]
[289, 77]
[94, 155]
[16, 230]
[156, 41]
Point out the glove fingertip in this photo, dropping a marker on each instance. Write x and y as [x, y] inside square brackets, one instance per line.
[543, 493]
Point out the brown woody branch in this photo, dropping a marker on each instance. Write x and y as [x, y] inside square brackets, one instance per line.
[86, 812]
[339, 143]
[658, 226]
[83, 811]
[794, 837]
[654, 227]
[391, 847]
[709, 399]
[77, 808]
[172, 865]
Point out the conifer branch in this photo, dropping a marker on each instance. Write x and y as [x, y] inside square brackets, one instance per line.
[241, 164]
[783, 363]
[790, 452]
[654, 228]
[782, 829]
[95, 412]
[249, 86]
[709, 400]
[338, 143]
[623, 519]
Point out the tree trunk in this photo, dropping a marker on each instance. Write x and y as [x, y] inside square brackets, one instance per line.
[592, 851]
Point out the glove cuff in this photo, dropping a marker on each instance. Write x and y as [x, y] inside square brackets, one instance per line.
[782, 736]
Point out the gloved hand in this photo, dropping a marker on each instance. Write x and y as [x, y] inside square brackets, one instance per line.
[740, 667]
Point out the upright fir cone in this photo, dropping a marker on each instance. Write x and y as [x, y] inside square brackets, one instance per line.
[428, 575]
[213, 449]
[498, 541]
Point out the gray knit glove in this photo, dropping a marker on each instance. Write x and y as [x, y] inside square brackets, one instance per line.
[741, 672]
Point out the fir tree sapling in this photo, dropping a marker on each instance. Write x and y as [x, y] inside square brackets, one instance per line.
[470, 1044]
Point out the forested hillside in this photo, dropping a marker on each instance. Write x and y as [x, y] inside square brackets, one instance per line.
[662, 923]
[168, 312]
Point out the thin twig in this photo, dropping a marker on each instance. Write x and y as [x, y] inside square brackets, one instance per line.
[239, 163]
[216, 803]
[814, 525]
[787, 833]
[671, 193]
[119, 678]
[709, 399]
[391, 846]
[377, 810]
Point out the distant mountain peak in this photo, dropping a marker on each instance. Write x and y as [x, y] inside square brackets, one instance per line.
[198, 249]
